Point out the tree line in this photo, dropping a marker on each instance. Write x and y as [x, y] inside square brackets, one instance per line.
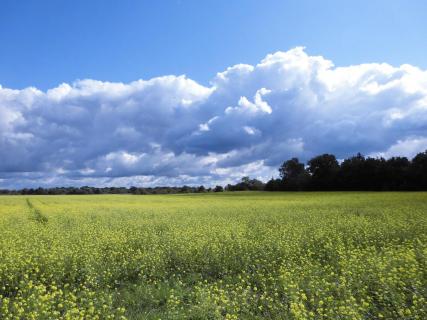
[326, 173]
[109, 190]
[321, 173]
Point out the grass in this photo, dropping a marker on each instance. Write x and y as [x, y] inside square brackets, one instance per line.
[214, 256]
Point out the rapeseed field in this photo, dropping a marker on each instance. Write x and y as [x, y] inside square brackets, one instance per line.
[214, 256]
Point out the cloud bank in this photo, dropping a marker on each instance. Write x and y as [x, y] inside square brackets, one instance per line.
[172, 130]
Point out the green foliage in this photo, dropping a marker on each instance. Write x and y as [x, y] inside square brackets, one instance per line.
[214, 256]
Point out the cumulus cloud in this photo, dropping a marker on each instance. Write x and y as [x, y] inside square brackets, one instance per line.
[173, 130]
[408, 147]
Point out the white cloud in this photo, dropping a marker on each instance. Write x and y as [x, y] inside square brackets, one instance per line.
[407, 148]
[245, 106]
[250, 130]
[172, 130]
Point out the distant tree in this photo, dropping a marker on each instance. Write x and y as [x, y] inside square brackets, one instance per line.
[218, 189]
[185, 189]
[40, 191]
[86, 190]
[274, 185]
[396, 174]
[245, 184]
[324, 170]
[201, 189]
[256, 185]
[294, 176]
[290, 169]
[418, 171]
[360, 173]
[374, 174]
[350, 174]
[245, 180]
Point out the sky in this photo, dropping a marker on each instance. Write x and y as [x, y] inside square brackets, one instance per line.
[204, 92]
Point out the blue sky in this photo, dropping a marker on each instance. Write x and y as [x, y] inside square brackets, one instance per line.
[204, 92]
[45, 43]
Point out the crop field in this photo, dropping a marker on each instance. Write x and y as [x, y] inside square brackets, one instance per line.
[214, 256]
